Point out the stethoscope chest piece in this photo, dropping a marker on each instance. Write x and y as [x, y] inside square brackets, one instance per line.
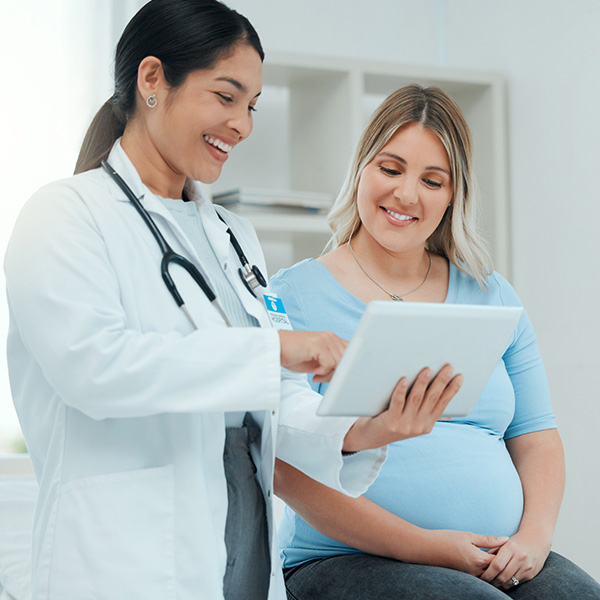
[252, 278]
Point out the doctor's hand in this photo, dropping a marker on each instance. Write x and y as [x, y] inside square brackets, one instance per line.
[317, 352]
[411, 412]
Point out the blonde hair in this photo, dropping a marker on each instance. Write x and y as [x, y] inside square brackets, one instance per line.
[456, 236]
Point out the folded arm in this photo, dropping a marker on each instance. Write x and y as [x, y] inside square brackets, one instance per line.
[539, 460]
[362, 524]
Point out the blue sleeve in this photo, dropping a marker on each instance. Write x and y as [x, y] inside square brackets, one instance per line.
[533, 410]
[291, 301]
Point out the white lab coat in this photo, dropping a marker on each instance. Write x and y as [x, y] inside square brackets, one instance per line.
[122, 403]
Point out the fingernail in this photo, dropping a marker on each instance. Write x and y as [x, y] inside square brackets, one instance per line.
[404, 383]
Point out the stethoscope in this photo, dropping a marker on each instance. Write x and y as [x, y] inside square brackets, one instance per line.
[251, 276]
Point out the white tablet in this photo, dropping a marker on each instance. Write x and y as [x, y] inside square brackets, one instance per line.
[398, 339]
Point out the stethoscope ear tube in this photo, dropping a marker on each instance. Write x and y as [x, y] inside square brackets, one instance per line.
[164, 271]
[173, 257]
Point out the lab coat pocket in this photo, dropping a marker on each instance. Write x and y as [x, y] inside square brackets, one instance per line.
[115, 537]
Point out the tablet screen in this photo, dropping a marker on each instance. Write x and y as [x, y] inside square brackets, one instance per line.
[398, 339]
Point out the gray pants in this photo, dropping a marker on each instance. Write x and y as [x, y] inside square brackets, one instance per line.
[246, 532]
[368, 577]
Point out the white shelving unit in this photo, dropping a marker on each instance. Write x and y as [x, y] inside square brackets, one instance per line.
[310, 116]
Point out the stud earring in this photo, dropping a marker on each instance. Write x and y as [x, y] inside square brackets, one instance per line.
[151, 101]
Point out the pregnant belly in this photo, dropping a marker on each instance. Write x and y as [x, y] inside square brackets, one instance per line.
[457, 477]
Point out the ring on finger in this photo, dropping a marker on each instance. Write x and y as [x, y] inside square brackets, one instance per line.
[514, 580]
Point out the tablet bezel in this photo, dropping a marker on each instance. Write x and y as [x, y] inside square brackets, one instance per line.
[472, 338]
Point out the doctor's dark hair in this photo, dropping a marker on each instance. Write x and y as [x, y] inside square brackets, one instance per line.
[456, 237]
[186, 36]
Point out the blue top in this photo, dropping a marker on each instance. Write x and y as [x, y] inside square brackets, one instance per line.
[460, 476]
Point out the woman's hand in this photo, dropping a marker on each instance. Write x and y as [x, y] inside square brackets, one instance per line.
[317, 352]
[539, 460]
[522, 557]
[461, 550]
[410, 413]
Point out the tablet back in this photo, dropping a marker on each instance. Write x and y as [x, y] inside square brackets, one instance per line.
[396, 339]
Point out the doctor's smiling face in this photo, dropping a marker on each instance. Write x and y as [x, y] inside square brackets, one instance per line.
[187, 75]
[404, 192]
[193, 127]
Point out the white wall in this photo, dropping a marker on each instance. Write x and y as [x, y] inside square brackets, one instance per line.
[548, 51]
[55, 67]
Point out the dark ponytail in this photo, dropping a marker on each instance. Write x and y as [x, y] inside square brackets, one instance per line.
[185, 35]
[105, 128]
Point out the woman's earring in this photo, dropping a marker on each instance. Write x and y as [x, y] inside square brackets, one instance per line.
[151, 101]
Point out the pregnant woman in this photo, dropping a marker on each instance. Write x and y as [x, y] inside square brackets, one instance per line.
[467, 511]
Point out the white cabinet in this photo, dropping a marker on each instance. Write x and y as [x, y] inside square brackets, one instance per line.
[310, 116]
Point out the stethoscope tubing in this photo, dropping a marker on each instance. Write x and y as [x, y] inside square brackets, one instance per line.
[249, 274]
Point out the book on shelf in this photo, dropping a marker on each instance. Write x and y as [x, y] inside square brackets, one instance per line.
[256, 198]
[273, 209]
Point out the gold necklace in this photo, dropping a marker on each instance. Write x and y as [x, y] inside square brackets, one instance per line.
[395, 297]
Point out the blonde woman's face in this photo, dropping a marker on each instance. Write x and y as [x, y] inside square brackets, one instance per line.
[405, 190]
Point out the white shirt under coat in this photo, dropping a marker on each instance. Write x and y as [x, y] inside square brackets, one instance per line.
[122, 403]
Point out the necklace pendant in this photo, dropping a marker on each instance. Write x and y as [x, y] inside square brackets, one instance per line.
[394, 297]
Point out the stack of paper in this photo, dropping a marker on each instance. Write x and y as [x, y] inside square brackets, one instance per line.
[262, 198]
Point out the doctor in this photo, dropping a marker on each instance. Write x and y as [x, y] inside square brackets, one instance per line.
[149, 424]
